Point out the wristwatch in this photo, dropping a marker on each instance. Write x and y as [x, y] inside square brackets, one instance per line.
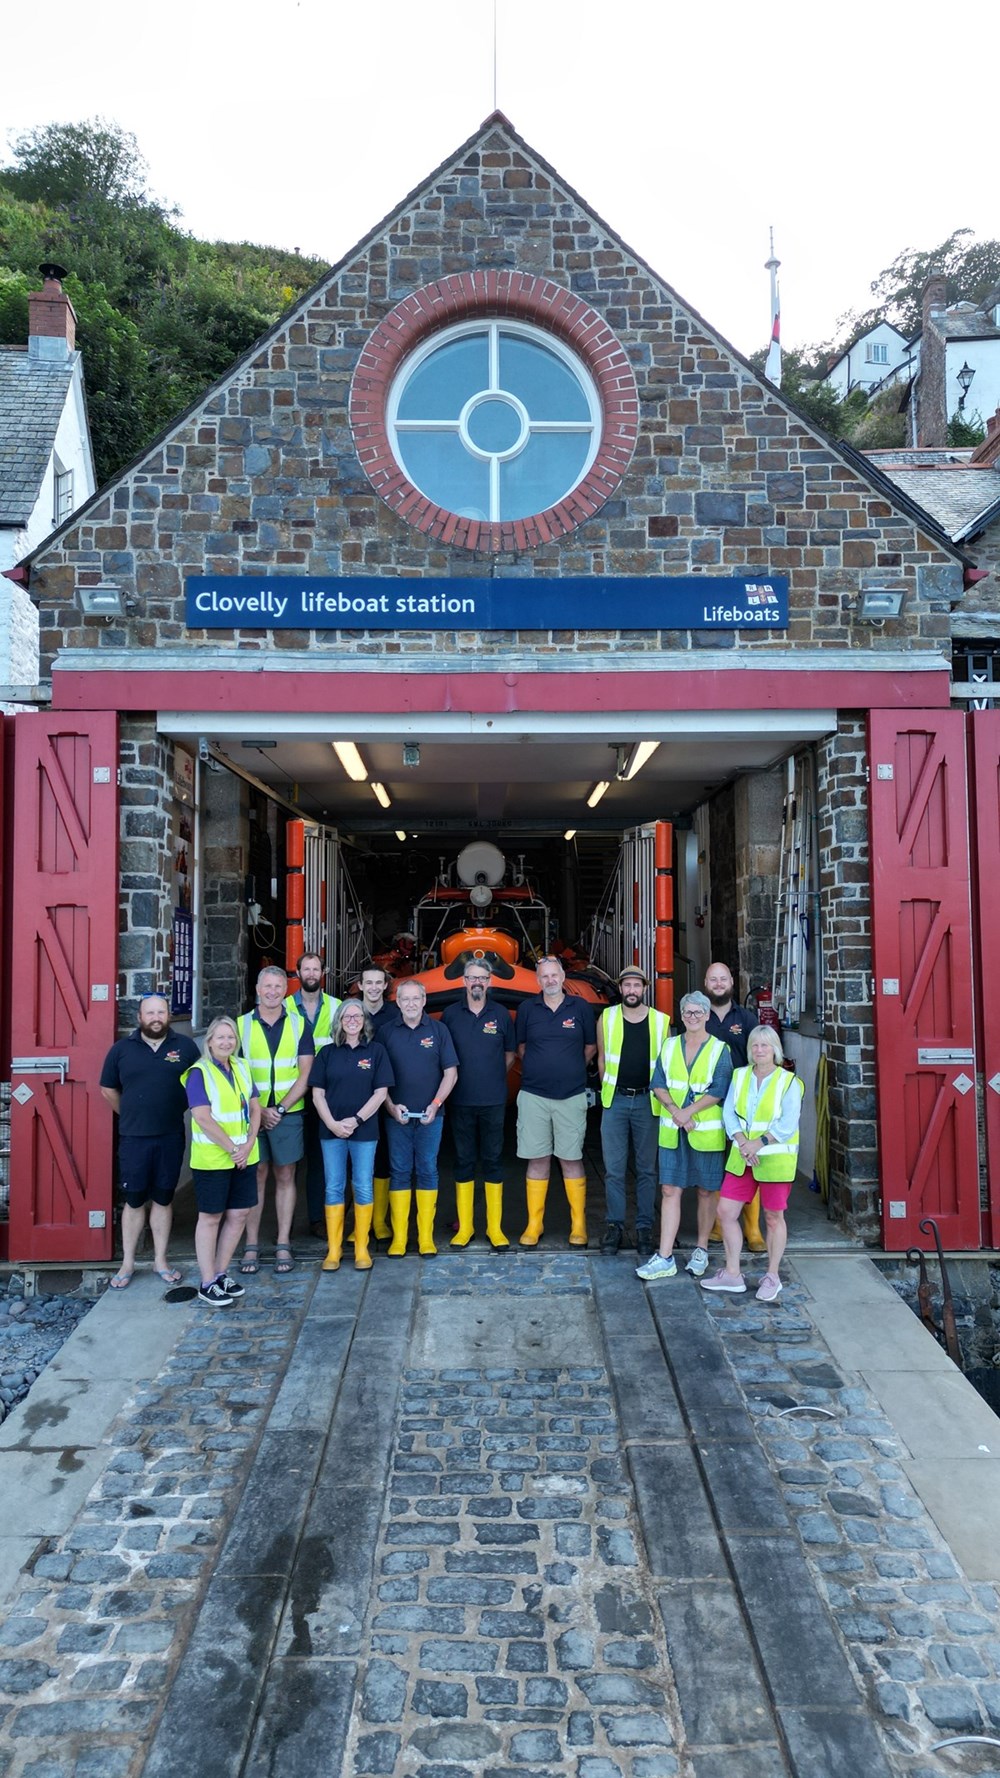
[280, 1110]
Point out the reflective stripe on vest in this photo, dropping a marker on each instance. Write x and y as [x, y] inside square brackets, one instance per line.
[230, 1107]
[776, 1161]
[707, 1131]
[321, 1031]
[613, 1020]
[254, 1045]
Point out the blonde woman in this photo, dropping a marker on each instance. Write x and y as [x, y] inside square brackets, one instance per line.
[761, 1115]
[225, 1118]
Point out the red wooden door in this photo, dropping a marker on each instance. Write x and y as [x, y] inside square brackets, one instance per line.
[984, 737]
[922, 947]
[64, 911]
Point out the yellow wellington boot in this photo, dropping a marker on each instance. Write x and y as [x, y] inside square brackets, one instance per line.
[463, 1199]
[399, 1210]
[426, 1207]
[716, 1232]
[362, 1229]
[576, 1192]
[380, 1227]
[750, 1218]
[334, 1236]
[536, 1192]
[493, 1190]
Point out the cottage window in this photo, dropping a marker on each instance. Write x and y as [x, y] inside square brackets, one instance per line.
[494, 420]
[876, 352]
[62, 496]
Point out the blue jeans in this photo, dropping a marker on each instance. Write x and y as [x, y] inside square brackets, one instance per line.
[630, 1115]
[413, 1148]
[335, 1155]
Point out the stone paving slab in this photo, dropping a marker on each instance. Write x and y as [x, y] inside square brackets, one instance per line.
[463, 1564]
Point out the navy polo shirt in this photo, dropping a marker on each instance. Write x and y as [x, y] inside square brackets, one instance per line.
[419, 1056]
[388, 1014]
[734, 1029]
[348, 1074]
[483, 1040]
[149, 1080]
[554, 1066]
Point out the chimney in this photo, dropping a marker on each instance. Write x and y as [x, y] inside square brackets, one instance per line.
[935, 297]
[51, 318]
[932, 411]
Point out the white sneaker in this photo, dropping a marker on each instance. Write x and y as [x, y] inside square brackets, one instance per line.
[657, 1267]
[770, 1288]
[732, 1282]
[698, 1263]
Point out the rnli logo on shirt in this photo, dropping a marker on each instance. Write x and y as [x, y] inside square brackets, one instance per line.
[736, 1029]
[173, 1055]
[569, 1024]
[427, 1043]
[490, 1028]
[364, 1061]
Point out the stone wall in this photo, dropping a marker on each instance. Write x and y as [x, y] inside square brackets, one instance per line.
[846, 913]
[759, 800]
[146, 865]
[224, 803]
[18, 636]
[263, 476]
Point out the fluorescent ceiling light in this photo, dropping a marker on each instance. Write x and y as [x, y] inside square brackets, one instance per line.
[382, 794]
[642, 752]
[570, 833]
[597, 793]
[400, 835]
[351, 760]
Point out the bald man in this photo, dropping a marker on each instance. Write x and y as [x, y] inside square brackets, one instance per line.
[141, 1081]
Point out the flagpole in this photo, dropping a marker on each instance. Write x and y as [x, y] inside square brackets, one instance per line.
[772, 369]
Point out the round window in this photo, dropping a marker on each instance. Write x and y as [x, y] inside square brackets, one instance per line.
[494, 420]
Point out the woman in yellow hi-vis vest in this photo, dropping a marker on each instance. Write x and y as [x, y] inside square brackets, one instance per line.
[761, 1114]
[225, 1118]
[690, 1080]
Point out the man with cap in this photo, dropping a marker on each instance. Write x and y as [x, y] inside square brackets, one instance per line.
[629, 1040]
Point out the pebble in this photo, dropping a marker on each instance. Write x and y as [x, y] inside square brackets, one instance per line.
[31, 1333]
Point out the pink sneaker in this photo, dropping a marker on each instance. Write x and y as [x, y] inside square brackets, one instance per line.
[770, 1288]
[731, 1282]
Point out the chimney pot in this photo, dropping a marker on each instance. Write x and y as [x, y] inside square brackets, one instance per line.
[51, 317]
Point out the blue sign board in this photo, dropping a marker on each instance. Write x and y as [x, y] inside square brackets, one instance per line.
[583, 602]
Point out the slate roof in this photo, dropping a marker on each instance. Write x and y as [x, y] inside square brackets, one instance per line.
[966, 323]
[962, 499]
[32, 397]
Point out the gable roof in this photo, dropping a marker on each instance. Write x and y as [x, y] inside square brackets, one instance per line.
[480, 138]
[963, 500]
[32, 398]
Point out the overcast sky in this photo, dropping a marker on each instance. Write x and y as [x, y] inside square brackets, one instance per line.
[690, 130]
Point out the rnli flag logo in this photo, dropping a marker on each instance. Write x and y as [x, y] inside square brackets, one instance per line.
[173, 1055]
[569, 1024]
[490, 1028]
[427, 1043]
[364, 1061]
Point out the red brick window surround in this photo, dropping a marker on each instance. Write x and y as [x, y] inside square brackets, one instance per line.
[538, 305]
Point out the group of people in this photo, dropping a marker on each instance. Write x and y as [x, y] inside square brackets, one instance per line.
[356, 1089]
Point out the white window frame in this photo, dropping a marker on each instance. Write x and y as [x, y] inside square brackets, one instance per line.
[62, 493]
[493, 328]
[876, 352]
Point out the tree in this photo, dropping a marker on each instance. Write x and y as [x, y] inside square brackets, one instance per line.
[971, 267]
[67, 163]
[801, 382]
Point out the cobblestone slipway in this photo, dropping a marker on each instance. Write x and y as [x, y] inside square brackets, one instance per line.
[498, 1515]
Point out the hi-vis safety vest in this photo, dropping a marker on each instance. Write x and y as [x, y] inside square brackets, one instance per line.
[777, 1160]
[613, 1020]
[708, 1131]
[230, 1107]
[322, 1034]
[280, 1071]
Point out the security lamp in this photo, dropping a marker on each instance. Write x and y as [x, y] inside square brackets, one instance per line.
[101, 601]
[875, 603]
[411, 753]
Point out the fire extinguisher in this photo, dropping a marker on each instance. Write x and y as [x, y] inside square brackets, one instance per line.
[767, 1012]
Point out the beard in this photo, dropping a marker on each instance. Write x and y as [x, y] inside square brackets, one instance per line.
[632, 999]
[153, 1027]
[718, 999]
[311, 983]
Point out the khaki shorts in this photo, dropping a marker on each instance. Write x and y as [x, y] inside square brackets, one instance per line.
[551, 1126]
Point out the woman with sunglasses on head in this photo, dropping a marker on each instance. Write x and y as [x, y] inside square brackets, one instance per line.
[225, 1117]
[350, 1078]
[761, 1115]
[691, 1079]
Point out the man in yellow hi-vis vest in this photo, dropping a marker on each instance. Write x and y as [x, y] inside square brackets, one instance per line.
[280, 1051]
[629, 1040]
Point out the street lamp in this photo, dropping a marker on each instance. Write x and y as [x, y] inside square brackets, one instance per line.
[964, 379]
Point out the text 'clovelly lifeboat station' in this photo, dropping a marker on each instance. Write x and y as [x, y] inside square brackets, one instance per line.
[494, 543]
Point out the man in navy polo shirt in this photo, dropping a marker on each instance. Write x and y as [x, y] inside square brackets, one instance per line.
[425, 1068]
[556, 1039]
[141, 1081]
[483, 1034]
